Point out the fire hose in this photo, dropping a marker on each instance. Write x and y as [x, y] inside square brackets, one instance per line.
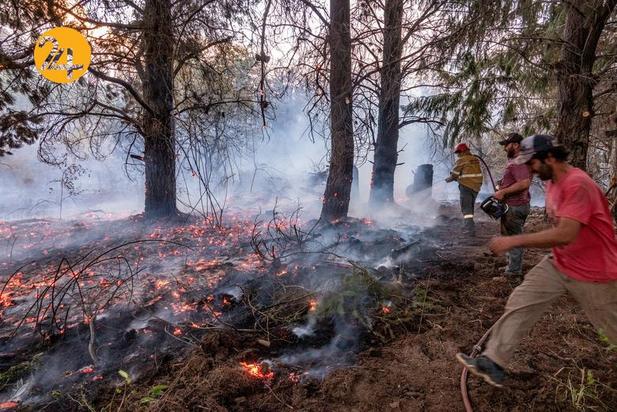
[476, 350]
[478, 346]
[488, 170]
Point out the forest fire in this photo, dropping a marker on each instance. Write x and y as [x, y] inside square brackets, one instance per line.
[203, 203]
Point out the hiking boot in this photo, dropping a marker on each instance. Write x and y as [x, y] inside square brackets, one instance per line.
[483, 367]
[469, 227]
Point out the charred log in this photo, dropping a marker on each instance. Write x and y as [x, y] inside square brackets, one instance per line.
[422, 182]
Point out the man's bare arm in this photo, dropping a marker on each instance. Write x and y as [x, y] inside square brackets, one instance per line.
[565, 233]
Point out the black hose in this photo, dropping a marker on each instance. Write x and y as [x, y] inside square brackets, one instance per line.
[488, 170]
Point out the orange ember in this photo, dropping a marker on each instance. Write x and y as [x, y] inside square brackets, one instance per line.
[386, 309]
[256, 370]
[312, 305]
[160, 283]
[8, 405]
[177, 332]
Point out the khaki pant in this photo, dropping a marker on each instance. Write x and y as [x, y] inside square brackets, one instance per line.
[531, 299]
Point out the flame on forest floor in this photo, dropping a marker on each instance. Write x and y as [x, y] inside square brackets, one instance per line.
[386, 308]
[257, 370]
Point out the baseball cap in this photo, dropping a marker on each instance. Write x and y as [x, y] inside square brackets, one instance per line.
[532, 145]
[512, 138]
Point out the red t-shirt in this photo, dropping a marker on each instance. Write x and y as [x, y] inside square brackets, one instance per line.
[592, 257]
[515, 173]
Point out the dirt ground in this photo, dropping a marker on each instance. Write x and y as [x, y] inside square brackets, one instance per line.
[562, 366]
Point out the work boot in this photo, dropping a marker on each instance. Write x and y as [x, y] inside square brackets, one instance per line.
[483, 367]
[470, 227]
[505, 270]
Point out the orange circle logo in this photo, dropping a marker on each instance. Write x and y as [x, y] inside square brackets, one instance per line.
[62, 55]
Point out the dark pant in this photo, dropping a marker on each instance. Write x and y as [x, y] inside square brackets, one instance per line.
[468, 201]
[512, 224]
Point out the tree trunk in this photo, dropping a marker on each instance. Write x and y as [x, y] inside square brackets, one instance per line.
[386, 145]
[584, 24]
[159, 139]
[338, 185]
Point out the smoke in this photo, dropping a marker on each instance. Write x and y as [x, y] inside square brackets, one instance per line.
[33, 189]
[282, 165]
[286, 162]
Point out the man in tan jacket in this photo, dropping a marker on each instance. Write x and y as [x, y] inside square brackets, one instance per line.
[468, 174]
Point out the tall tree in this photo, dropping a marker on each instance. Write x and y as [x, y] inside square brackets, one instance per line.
[395, 45]
[159, 131]
[528, 66]
[576, 79]
[338, 185]
[386, 144]
[161, 71]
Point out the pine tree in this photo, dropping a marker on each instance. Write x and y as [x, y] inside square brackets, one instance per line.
[338, 185]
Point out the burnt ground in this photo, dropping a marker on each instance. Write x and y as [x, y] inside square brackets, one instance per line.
[562, 366]
[213, 329]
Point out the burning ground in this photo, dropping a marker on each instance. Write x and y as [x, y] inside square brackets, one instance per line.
[272, 313]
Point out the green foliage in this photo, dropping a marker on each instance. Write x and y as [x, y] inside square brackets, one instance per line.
[19, 371]
[583, 395]
[501, 73]
[610, 346]
[125, 375]
[154, 393]
[14, 373]
[421, 300]
[359, 295]
[581, 390]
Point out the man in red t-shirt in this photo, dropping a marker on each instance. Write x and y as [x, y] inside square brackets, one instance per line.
[514, 191]
[583, 261]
